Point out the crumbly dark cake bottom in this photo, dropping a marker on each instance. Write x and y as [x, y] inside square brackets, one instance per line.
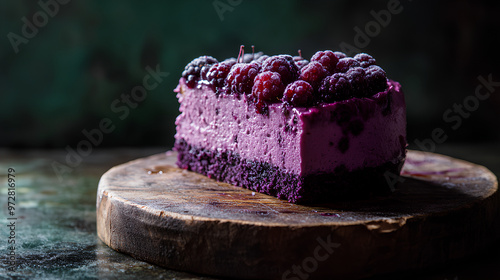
[264, 178]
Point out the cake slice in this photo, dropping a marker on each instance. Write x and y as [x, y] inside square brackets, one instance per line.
[310, 131]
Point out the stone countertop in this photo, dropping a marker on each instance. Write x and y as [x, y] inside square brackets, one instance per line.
[55, 229]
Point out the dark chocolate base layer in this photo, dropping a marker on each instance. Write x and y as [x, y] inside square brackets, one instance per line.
[265, 178]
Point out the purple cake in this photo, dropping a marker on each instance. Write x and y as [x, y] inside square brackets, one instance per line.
[306, 131]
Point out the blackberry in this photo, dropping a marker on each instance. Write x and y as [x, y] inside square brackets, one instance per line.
[326, 58]
[345, 63]
[240, 78]
[204, 71]
[313, 73]
[335, 88]
[267, 86]
[298, 93]
[284, 65]
[376, 79]
[217, 74]
[356, 78]
[192, 71]
[365, 59]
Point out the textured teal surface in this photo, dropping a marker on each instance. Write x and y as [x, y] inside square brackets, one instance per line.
[56, 220]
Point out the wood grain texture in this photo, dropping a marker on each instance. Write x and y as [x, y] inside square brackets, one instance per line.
[443, 209]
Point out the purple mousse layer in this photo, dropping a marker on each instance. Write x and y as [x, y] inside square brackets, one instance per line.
[262, 177]
[353, 134]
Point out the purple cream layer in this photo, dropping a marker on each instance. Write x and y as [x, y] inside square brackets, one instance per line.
[353, 134]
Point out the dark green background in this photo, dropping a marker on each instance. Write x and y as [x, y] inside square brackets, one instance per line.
[65, 78]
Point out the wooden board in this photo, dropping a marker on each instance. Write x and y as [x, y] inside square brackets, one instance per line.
[443, 209]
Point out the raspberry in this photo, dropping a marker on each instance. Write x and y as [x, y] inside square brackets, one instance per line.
[261, 59]
[240, 78]
[365, 59]
[340, 55]
[298, 93]
[327, 58]
[230, 60]
[376, 79]
[192, 70]
[300, 61]
[335, 87]
[356, 77]
[313, 73]
[345, 63]
[218, 73]
[284, 65]
[267, 86]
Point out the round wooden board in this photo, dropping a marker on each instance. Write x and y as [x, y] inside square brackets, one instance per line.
[443, 209]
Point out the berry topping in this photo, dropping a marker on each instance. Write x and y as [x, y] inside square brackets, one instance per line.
[326, 58]
[218, 73]
[240, 78]
[365, 59]
[345, 63]
[230, 60]
[356, 77]
[204, 71]
[328, 77]
[261, 59]
[376, 79]
[298, 93]
[300, 61]
[313, 73]
[249, 57]
[192, 71]
[335, 87]
[340, 55]
[268, 86]
[284, 65]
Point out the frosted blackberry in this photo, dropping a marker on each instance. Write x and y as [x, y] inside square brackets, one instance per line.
[192, 71]
[204, 71]
[298, 93]
[267, 87]
[217, 74]
[240, 78]
[365, 59]
[335, 88]
[284, 65]
[356, 78]
[345, 64]
[376, 79]
[326, 58]
[313, 73]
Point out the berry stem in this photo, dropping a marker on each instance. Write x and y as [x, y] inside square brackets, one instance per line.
[241, 53]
